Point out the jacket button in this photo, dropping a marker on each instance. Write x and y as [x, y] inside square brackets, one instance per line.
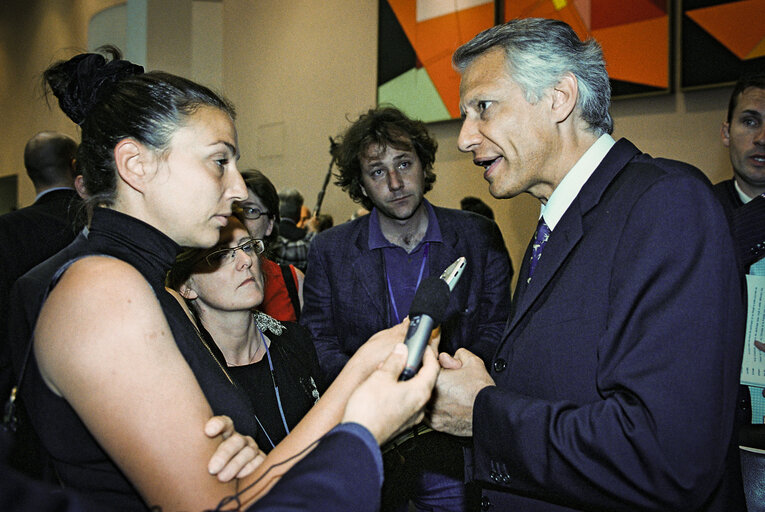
[494, 476]
[500, 365]
[485, 503]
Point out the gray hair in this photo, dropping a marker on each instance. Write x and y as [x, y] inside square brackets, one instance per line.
[538, 52]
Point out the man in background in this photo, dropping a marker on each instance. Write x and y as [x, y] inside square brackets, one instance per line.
[31, 235]
[292, 245]
[362, 277]
[614, 383]
[743, 133]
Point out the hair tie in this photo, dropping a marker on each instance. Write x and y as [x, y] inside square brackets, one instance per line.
[93, 77]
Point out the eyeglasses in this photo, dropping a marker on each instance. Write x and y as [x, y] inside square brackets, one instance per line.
[223, 257]
[249, 212]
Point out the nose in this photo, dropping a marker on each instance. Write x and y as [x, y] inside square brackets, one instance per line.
[469, 137]
[759, 137]
[236, 188]
[394, 180]
[243, 260]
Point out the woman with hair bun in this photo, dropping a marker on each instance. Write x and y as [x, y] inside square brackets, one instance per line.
[119, 382]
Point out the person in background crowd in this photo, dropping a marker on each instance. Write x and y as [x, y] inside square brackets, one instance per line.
[743, 133]
[283, 298]
[294, 241]
[475, 205]
[27, 237]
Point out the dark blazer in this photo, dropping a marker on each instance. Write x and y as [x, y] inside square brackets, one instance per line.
[616, 377]
[747, 224]
[346, 297]
[27, 237]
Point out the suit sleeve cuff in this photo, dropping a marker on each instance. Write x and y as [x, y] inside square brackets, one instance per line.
[368, 439]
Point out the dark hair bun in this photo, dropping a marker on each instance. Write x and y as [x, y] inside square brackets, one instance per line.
[81, 82]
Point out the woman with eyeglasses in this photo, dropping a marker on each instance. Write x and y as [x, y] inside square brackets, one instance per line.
[283, 294]
[274, 362]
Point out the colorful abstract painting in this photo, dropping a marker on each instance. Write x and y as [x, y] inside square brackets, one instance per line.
[721, 40]
[417, 38]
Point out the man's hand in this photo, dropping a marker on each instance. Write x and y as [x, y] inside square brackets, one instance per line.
[386, 406]
[459, 382]
[236, 456]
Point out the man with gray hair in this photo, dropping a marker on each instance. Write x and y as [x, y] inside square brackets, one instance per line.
[614, 383]
[291, 247]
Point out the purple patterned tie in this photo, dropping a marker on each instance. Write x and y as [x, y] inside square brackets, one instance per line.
[540, 239]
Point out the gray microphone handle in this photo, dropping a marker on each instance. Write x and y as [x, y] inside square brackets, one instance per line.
[417, 337]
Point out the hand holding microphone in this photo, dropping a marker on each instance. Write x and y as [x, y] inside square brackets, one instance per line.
[428, 306]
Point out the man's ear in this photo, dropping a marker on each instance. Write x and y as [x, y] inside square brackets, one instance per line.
[186, 292]
[725, 134]
[134, 162]
[564, 96]
[363, 190]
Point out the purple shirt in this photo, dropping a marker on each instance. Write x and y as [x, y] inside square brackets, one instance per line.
[402, 269]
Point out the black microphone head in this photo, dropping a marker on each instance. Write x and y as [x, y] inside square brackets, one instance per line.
[431, 298]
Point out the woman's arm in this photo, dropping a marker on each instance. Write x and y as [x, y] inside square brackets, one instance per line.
[102, 342]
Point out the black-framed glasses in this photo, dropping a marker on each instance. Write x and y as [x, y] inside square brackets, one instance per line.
[222, 257]
[250, 212]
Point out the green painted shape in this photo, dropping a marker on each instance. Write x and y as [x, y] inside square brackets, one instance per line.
[414, 94]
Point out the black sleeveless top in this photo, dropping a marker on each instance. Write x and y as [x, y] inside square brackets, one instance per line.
[296, 375]
[79, 461]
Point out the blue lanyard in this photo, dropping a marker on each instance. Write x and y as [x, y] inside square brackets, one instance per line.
[419, 278]
[276, 390]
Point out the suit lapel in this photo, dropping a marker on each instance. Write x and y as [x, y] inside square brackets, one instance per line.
[442, 255]
[369, 270]
[568, 232]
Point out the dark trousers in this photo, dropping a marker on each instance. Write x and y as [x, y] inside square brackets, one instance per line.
[427, 470]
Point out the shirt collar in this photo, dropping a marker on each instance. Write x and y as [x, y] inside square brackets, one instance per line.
[569, 187]
[38, 196]
[741, 194]
[377, 240]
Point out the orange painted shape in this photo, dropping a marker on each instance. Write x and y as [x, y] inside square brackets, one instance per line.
[739, 26]
[444, 34]
[447, 83]
[759, 51]
[435, 40]
[637, 52]
[609, 13]
[545, 9]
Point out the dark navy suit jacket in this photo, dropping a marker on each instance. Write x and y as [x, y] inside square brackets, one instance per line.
[616, 377]
[27, 237]
[346, 296]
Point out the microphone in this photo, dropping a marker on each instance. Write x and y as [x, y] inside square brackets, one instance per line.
[428, 305]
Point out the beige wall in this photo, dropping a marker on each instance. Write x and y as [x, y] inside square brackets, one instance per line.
[297, 71]
[34, 34]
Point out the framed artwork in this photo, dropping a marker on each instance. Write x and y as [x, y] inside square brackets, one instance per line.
[720, 40]
[416, 39]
